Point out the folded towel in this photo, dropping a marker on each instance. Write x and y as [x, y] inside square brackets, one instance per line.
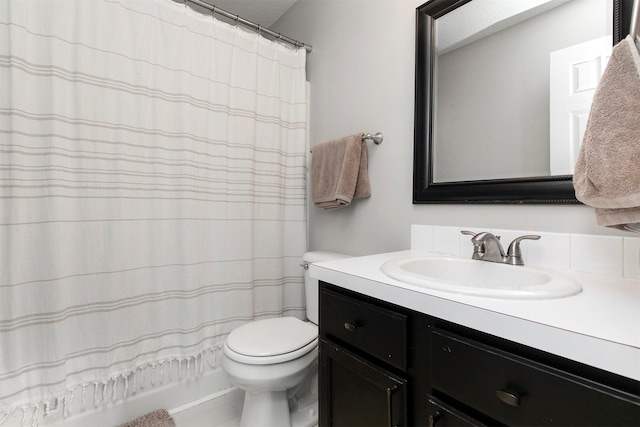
[607, 172]
[339, 172]
[159, 418]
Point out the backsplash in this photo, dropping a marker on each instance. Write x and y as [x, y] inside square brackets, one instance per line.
[606, 255]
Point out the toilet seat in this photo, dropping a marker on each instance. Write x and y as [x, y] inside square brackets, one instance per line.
[269, 341]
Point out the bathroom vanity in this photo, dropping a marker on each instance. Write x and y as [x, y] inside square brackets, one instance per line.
[396, 354]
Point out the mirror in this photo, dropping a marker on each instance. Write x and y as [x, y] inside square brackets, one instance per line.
[503, 91]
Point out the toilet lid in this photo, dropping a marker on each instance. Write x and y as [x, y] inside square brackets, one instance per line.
[271, 337]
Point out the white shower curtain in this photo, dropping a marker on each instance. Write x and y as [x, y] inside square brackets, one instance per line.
[152, 195]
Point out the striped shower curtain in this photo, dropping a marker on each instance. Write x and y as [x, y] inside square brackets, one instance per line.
[152, 195]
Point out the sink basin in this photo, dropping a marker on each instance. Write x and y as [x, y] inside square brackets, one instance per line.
[481, 278]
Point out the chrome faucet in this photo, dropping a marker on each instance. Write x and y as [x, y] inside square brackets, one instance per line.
[487, 247]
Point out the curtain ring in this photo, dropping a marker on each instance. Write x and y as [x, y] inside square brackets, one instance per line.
[259, 30]
[237, 19]
[213, 12]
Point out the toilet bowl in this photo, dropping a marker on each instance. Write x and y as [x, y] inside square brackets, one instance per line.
[269, 359]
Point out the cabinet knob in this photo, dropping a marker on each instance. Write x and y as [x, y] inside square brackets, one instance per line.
[511, 398]
[433, 419]
[350, 326]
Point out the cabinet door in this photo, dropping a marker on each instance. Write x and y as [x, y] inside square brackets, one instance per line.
[355, 392]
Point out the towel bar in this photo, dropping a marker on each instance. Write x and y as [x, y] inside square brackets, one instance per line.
[635, 21]
[377, 137]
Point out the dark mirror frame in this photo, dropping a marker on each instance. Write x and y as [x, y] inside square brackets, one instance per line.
[535, 190]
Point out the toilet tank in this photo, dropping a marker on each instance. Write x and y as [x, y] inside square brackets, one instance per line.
[311, 291]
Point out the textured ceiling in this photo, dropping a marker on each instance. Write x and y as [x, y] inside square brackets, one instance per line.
[262, 12]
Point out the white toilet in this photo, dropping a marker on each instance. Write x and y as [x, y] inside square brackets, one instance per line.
[270, 359]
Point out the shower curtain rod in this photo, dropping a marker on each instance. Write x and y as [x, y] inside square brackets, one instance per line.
[256, 27]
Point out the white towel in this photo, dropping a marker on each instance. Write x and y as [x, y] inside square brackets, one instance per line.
[607, 172]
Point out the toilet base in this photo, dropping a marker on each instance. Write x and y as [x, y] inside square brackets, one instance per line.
[301, 407]
[304, 406]
[265, 409]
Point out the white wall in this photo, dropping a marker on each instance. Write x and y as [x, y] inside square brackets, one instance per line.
[362, 76]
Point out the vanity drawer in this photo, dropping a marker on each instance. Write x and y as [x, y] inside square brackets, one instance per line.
[375, 330]
[516, 391]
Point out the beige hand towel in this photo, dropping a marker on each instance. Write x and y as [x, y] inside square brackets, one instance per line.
[339, 172]
[159, 418]
[607, 172]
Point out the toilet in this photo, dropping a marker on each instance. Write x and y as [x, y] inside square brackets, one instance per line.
[271, 359]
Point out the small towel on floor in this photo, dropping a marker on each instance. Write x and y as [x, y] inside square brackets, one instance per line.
[339, 172]
[607, 172]
[159, 418]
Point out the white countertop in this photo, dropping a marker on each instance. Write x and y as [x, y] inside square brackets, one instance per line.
[599, 327]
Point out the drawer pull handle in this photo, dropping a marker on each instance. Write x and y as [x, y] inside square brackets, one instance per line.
[433, 419]
[350, 326]
[390, 391]
[509, 397]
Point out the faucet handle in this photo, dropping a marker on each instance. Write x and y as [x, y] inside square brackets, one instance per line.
[473, 234]
[478, 248]
[514, 253]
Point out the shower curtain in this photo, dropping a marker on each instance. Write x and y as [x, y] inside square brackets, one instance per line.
[152, 195]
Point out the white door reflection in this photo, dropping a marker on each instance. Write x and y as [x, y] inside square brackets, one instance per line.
[575, 72]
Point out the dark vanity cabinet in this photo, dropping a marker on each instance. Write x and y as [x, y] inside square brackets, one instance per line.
[384, 365]
[507, 385]
[363, 362]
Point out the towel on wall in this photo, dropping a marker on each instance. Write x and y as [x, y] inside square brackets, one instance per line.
[607, 172]
[339, 172]
[159, 418]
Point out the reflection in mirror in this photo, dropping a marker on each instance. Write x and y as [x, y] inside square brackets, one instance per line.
[503, 91]
[492, 101]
